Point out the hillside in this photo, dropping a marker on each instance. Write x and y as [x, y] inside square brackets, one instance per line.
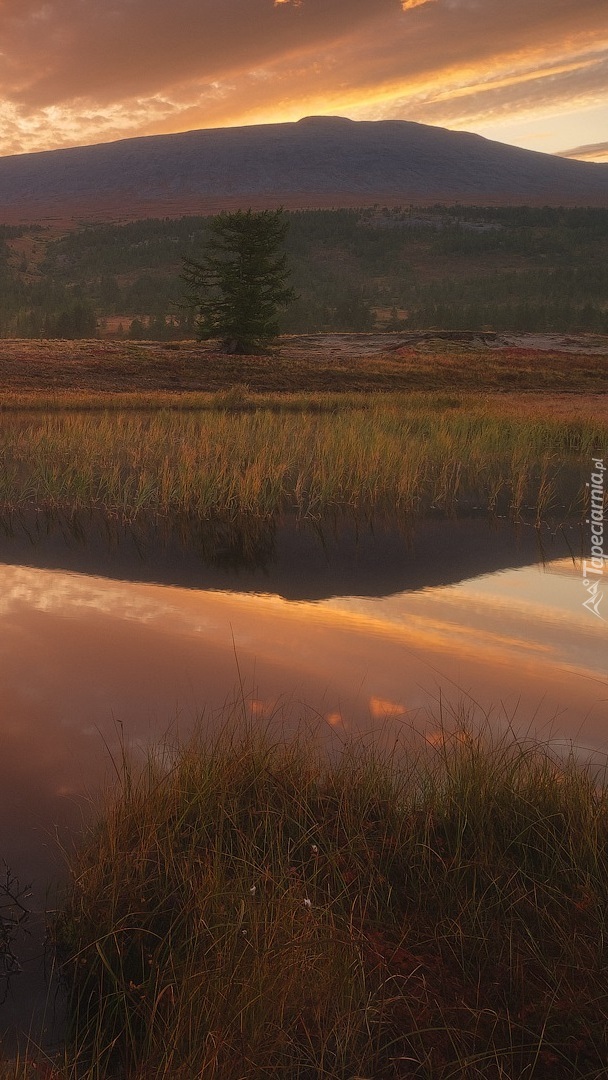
[318, 161]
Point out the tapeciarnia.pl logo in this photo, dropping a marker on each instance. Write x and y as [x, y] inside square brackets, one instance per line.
[593, 569]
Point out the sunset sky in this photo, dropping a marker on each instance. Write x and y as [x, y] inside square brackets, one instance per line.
[529, 72]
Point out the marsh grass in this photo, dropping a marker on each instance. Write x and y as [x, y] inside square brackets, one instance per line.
[239, 454]
[249, 906]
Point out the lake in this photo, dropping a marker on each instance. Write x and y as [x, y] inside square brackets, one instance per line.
[115, 636]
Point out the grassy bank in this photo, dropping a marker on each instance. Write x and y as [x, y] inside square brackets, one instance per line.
[235, 453]
[249, 908]
[325, 363]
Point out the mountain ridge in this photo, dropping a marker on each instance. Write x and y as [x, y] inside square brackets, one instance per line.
[315, 161]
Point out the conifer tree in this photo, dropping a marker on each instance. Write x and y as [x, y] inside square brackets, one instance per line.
[240, 283]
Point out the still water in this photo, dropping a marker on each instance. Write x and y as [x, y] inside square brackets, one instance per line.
[110, 635]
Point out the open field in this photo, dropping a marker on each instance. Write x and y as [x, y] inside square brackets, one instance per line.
[314, 363]
[247, 907]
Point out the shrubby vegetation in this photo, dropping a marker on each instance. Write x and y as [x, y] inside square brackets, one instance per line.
[505, 268]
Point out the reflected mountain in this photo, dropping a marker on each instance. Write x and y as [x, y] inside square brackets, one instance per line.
[297, 560]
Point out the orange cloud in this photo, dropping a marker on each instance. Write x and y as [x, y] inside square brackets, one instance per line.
[592, 152]
[79, 71]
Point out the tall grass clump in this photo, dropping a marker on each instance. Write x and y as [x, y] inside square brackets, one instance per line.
[243, 455]
[248, 907]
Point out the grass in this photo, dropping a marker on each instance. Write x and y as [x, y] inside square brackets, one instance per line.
[250, 906]
[237, 453]
[29, 366]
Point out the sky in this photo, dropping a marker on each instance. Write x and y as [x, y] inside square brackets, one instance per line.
[533, 73]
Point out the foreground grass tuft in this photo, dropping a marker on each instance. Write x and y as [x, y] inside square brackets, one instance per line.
[248, 907]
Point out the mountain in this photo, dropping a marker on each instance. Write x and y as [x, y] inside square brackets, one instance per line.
[318, 161]
[291, 559]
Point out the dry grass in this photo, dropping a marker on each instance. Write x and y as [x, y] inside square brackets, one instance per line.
[30, 366]
[247, 907]
[235, 453]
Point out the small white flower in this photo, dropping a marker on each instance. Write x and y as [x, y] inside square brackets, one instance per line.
[307, 903]
[252, 890]
[314, 849]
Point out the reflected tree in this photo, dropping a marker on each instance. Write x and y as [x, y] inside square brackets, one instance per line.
[13, 914]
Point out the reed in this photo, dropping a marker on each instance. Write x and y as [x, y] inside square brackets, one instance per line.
[241, 454]
[251, 905]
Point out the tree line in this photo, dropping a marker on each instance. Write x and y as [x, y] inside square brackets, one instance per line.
[506, 268]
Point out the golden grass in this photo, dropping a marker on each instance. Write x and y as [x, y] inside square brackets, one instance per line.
[237, 453]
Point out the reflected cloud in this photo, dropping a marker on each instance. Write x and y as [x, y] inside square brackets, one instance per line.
[336, 720]
[381, 709]
[65, 594]
[531, 617]
[135, 644]
[90, 666]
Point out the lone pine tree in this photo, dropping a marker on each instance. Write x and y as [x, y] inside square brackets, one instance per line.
[240, 284]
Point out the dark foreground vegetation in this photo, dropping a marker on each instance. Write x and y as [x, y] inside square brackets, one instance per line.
[509, 268]
[13, 915]
[252, 905]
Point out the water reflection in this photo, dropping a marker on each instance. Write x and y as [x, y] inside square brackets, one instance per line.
[88, 660]
[299, 560]
[82, 654]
